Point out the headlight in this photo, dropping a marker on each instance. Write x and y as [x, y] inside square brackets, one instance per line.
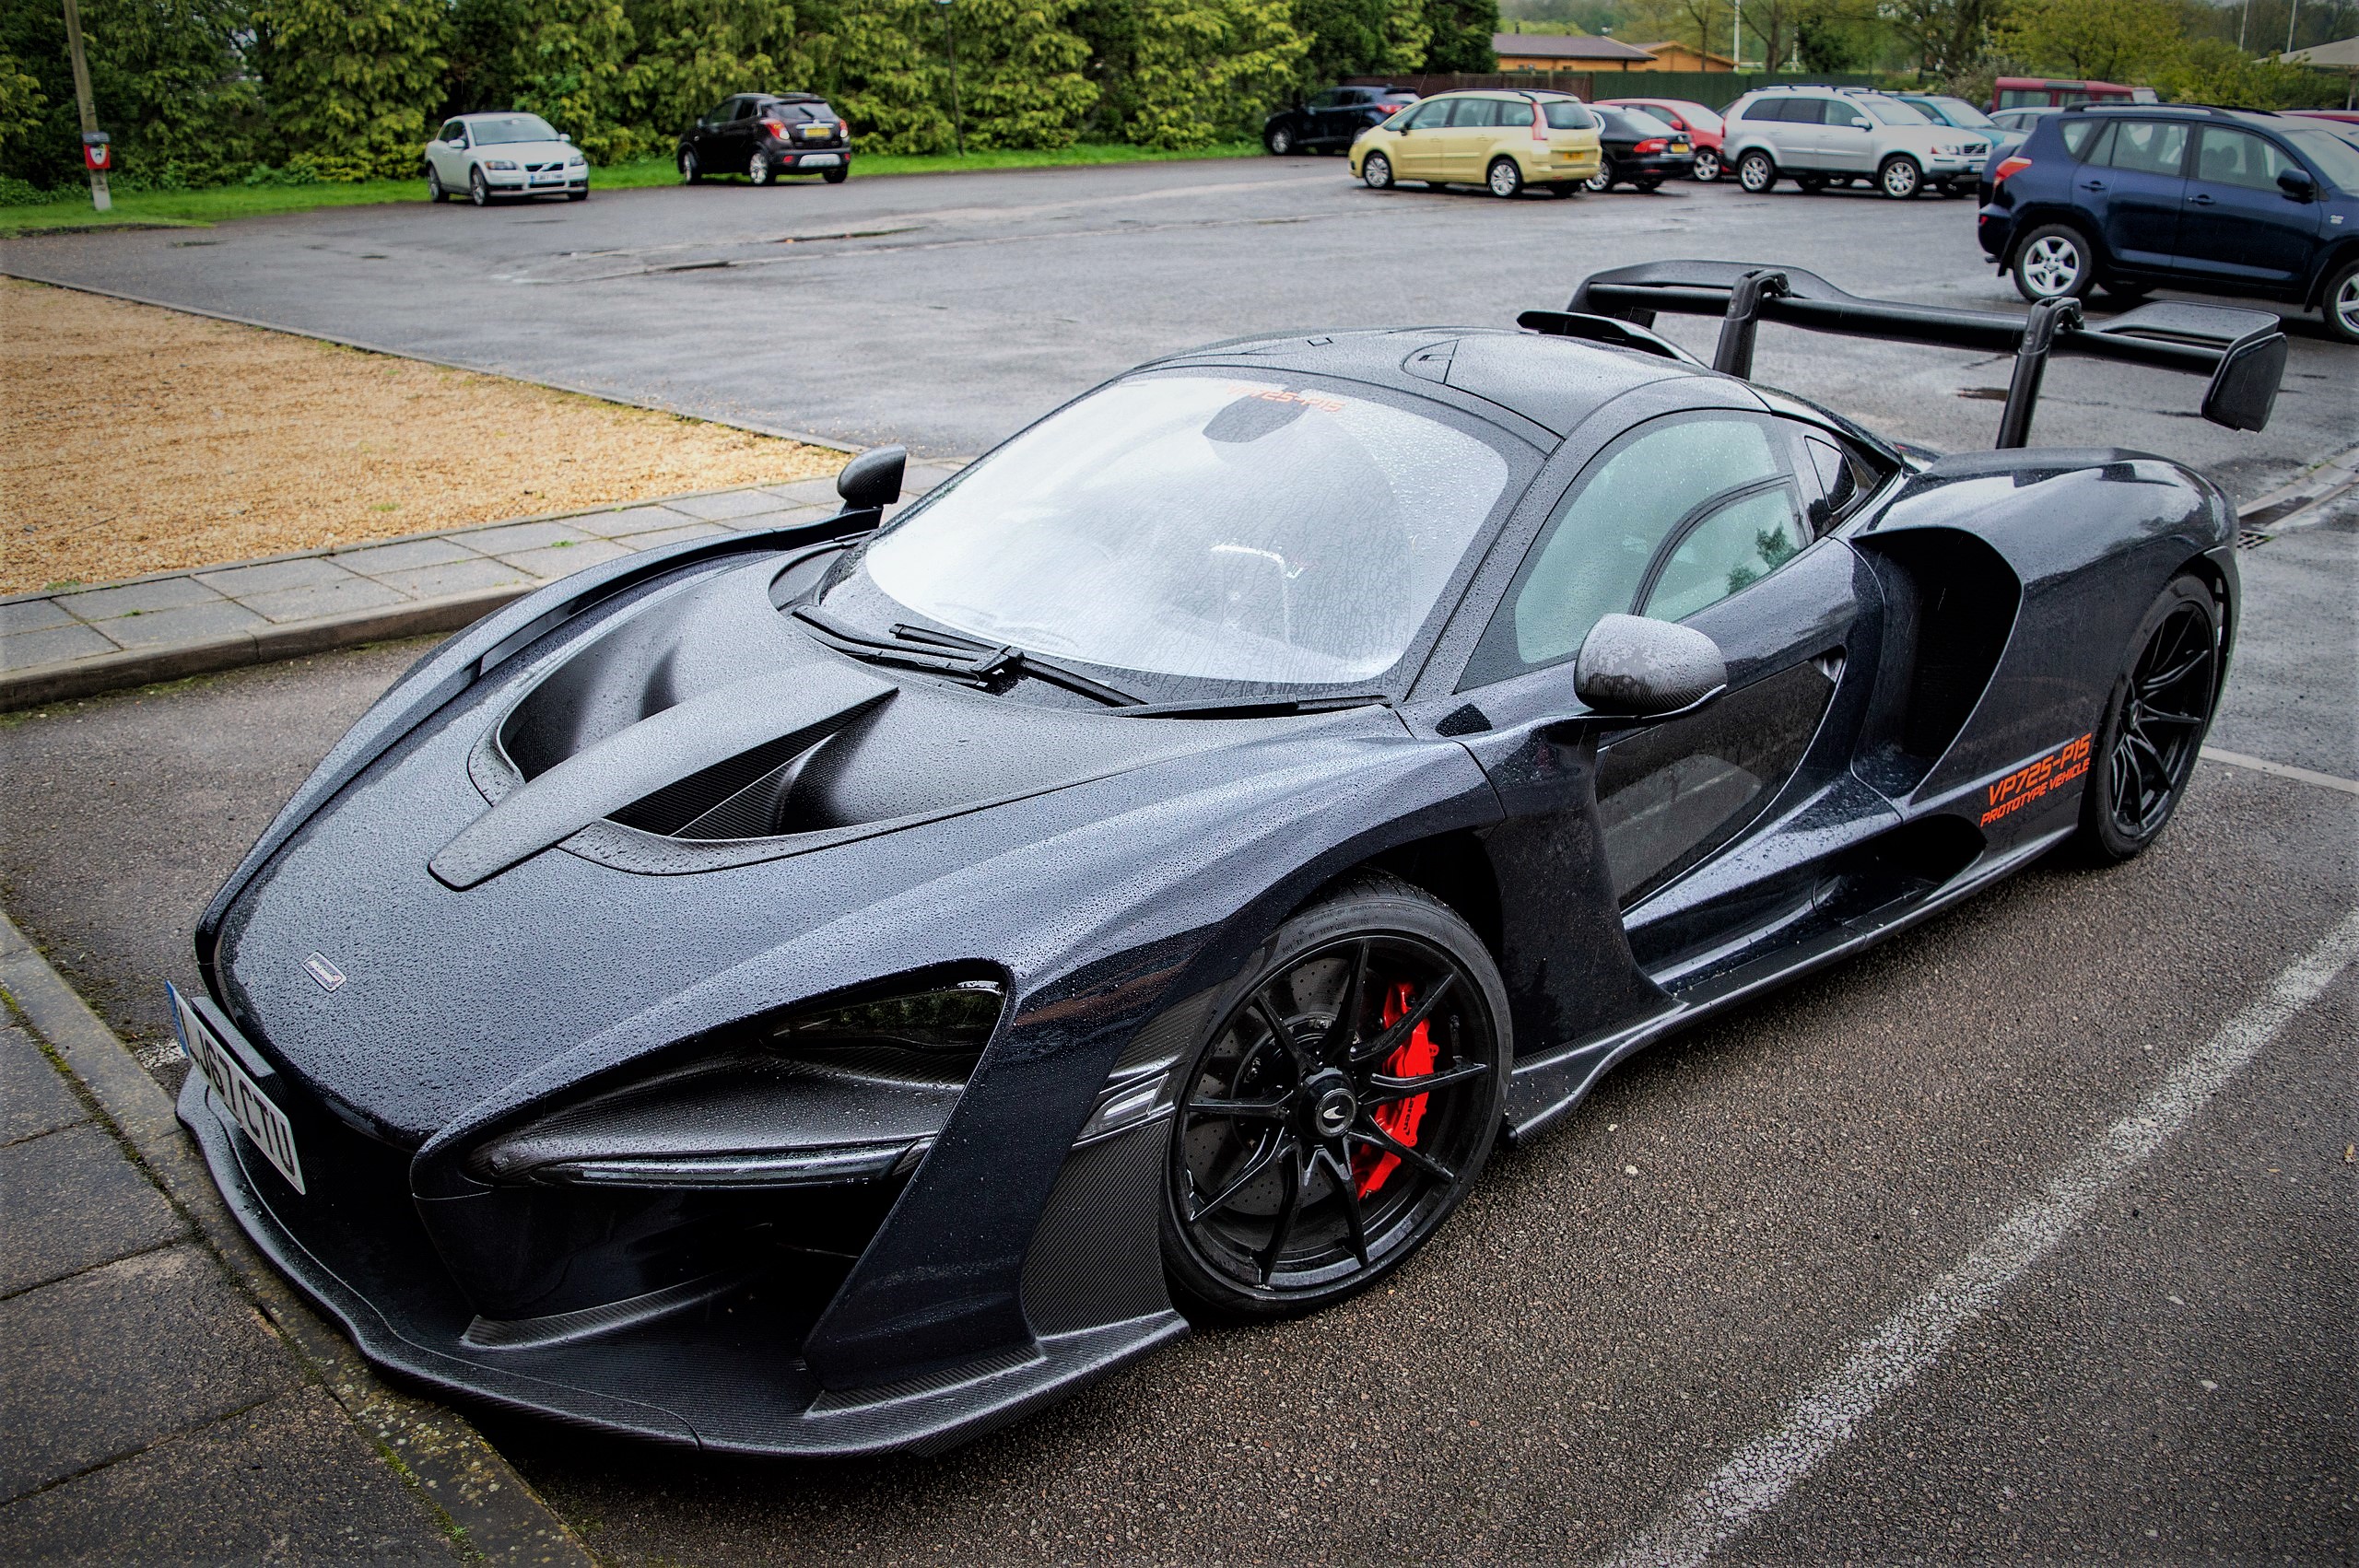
[850, 1091]
[579, 163]
[508, 164]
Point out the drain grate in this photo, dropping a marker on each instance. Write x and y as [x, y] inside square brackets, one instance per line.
[2252, 538]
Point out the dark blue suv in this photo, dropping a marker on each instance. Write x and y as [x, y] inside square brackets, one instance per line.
[2132, 197]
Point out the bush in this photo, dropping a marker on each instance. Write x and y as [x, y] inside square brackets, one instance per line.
[15, 192]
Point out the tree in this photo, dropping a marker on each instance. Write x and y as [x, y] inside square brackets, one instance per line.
[168, 78]
[568, 69]
[2113, 41]
[348, 82]
[2211, 70]
[1460, 31]
[1185, 73]
[692, 53]
[1355, 38]
[1949, 37]
[1021, 80]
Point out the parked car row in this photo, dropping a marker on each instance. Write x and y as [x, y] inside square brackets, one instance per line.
[764, 136]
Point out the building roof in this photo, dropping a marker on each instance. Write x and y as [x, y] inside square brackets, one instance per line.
[1563, 46]
[1658, 48]
[2342, 55]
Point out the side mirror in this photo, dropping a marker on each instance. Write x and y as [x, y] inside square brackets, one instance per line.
[565, 137]
[2298, 183]
[1646, 669]
[871, 481]
[1860, 122]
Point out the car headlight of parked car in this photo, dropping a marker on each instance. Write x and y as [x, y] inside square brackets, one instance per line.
[850, 1090]
[503, 163]
[1961, 149]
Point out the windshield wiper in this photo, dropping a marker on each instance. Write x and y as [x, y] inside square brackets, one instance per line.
[1256, 706]
[971, 659]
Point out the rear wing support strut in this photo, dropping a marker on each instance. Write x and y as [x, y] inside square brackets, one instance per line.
[2242, 352]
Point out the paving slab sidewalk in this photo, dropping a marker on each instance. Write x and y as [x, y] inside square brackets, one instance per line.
[75, 641]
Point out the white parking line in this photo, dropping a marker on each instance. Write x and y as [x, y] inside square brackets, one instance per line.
[1757, 1476]
[2281, 769]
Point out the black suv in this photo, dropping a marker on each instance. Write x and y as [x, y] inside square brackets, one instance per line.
[765, 134]
[2132, 197]
[1331, 120]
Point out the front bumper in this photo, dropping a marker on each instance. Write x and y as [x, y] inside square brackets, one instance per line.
[535, 184]
[720, 1376]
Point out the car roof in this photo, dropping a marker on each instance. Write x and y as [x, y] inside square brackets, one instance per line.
[1552, 382]
[2173, 111]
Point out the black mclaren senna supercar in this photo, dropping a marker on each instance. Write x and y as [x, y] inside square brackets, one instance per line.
[834, 988]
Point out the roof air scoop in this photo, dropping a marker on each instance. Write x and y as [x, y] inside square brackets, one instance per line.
[663, 766]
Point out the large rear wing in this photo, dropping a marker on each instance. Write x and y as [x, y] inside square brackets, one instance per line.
[2243, 352]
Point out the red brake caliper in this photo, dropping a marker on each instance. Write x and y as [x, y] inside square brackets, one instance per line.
[1412, 1059]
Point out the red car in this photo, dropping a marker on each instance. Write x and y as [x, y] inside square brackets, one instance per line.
[1702, 125]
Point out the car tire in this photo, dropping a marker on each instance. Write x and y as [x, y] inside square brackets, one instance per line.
[582, 195]
[691, 172]
[757, 169]
[1504, 177]
[1297, 1202]
[1279, 140]
[1756, 172]
[2339, 302]
[1598, 182]
[835, 176]
[1900, 178]
[1375, 171]
[478, 189]
[2053, 262]
[2155, 717]
[434, 191]
[1707, 166]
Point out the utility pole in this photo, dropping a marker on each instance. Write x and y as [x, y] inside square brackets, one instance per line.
[99, 197]
[950, 39]
[2292, 17]
[2242, 23]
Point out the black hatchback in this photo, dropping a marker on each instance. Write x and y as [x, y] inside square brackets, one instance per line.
[765, 135]
[1639, 149]
[1333, 119]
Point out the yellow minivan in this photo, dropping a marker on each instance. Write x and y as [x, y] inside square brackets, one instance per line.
[1503, 140]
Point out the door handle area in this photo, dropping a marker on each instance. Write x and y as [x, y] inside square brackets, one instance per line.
[2092, 184]
[2201, 201]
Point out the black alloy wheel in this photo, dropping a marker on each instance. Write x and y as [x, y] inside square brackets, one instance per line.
[2153, 725]
[691, 172]
[1340, 1108]
[1756, 171]
[478, 189]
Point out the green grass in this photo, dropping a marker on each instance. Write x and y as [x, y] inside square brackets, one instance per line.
[198, 208]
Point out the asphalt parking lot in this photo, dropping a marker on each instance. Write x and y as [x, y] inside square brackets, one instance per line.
[1628, 1305]
[944, 311]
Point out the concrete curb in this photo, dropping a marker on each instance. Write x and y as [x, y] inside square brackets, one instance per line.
[494, 1509]
[114, 672]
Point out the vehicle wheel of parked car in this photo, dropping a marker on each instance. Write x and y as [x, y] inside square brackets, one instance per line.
[1504, 177]
[2053, 264]
[1900, 177]
[690, 171]
[1280, 141]
[1707, 166]
[1340, 1109]
[757, 169]
[434, 191]
[576, 195]
[478, 192]
[1377, 172]
[2153, 725]
[1600, 181]
[2341, 303]
[1756, 171]
[836, 176]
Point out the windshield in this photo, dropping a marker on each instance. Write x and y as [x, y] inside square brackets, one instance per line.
[1892, 111]
[1957, 112]
[1227, 526]
[1563, 115]
[514, 128]
[2337, 158]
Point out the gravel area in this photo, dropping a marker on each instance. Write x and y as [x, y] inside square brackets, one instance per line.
[134, 439]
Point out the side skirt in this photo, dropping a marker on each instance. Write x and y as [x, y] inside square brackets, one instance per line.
[1544, 1090]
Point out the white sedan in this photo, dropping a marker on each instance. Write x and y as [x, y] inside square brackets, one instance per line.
[503, 154]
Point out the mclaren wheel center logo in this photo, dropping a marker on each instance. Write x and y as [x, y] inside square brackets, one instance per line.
[320, 969]
[2028, 783]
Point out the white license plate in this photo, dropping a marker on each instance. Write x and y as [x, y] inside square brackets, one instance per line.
[548, 178]
[820, 161]
[264, 1122]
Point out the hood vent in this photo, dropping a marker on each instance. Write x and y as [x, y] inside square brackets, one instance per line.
[667, 771]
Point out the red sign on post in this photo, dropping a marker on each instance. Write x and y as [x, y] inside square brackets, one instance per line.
[97, 155]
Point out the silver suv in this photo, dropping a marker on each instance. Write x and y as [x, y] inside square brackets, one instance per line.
[1822, 136]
